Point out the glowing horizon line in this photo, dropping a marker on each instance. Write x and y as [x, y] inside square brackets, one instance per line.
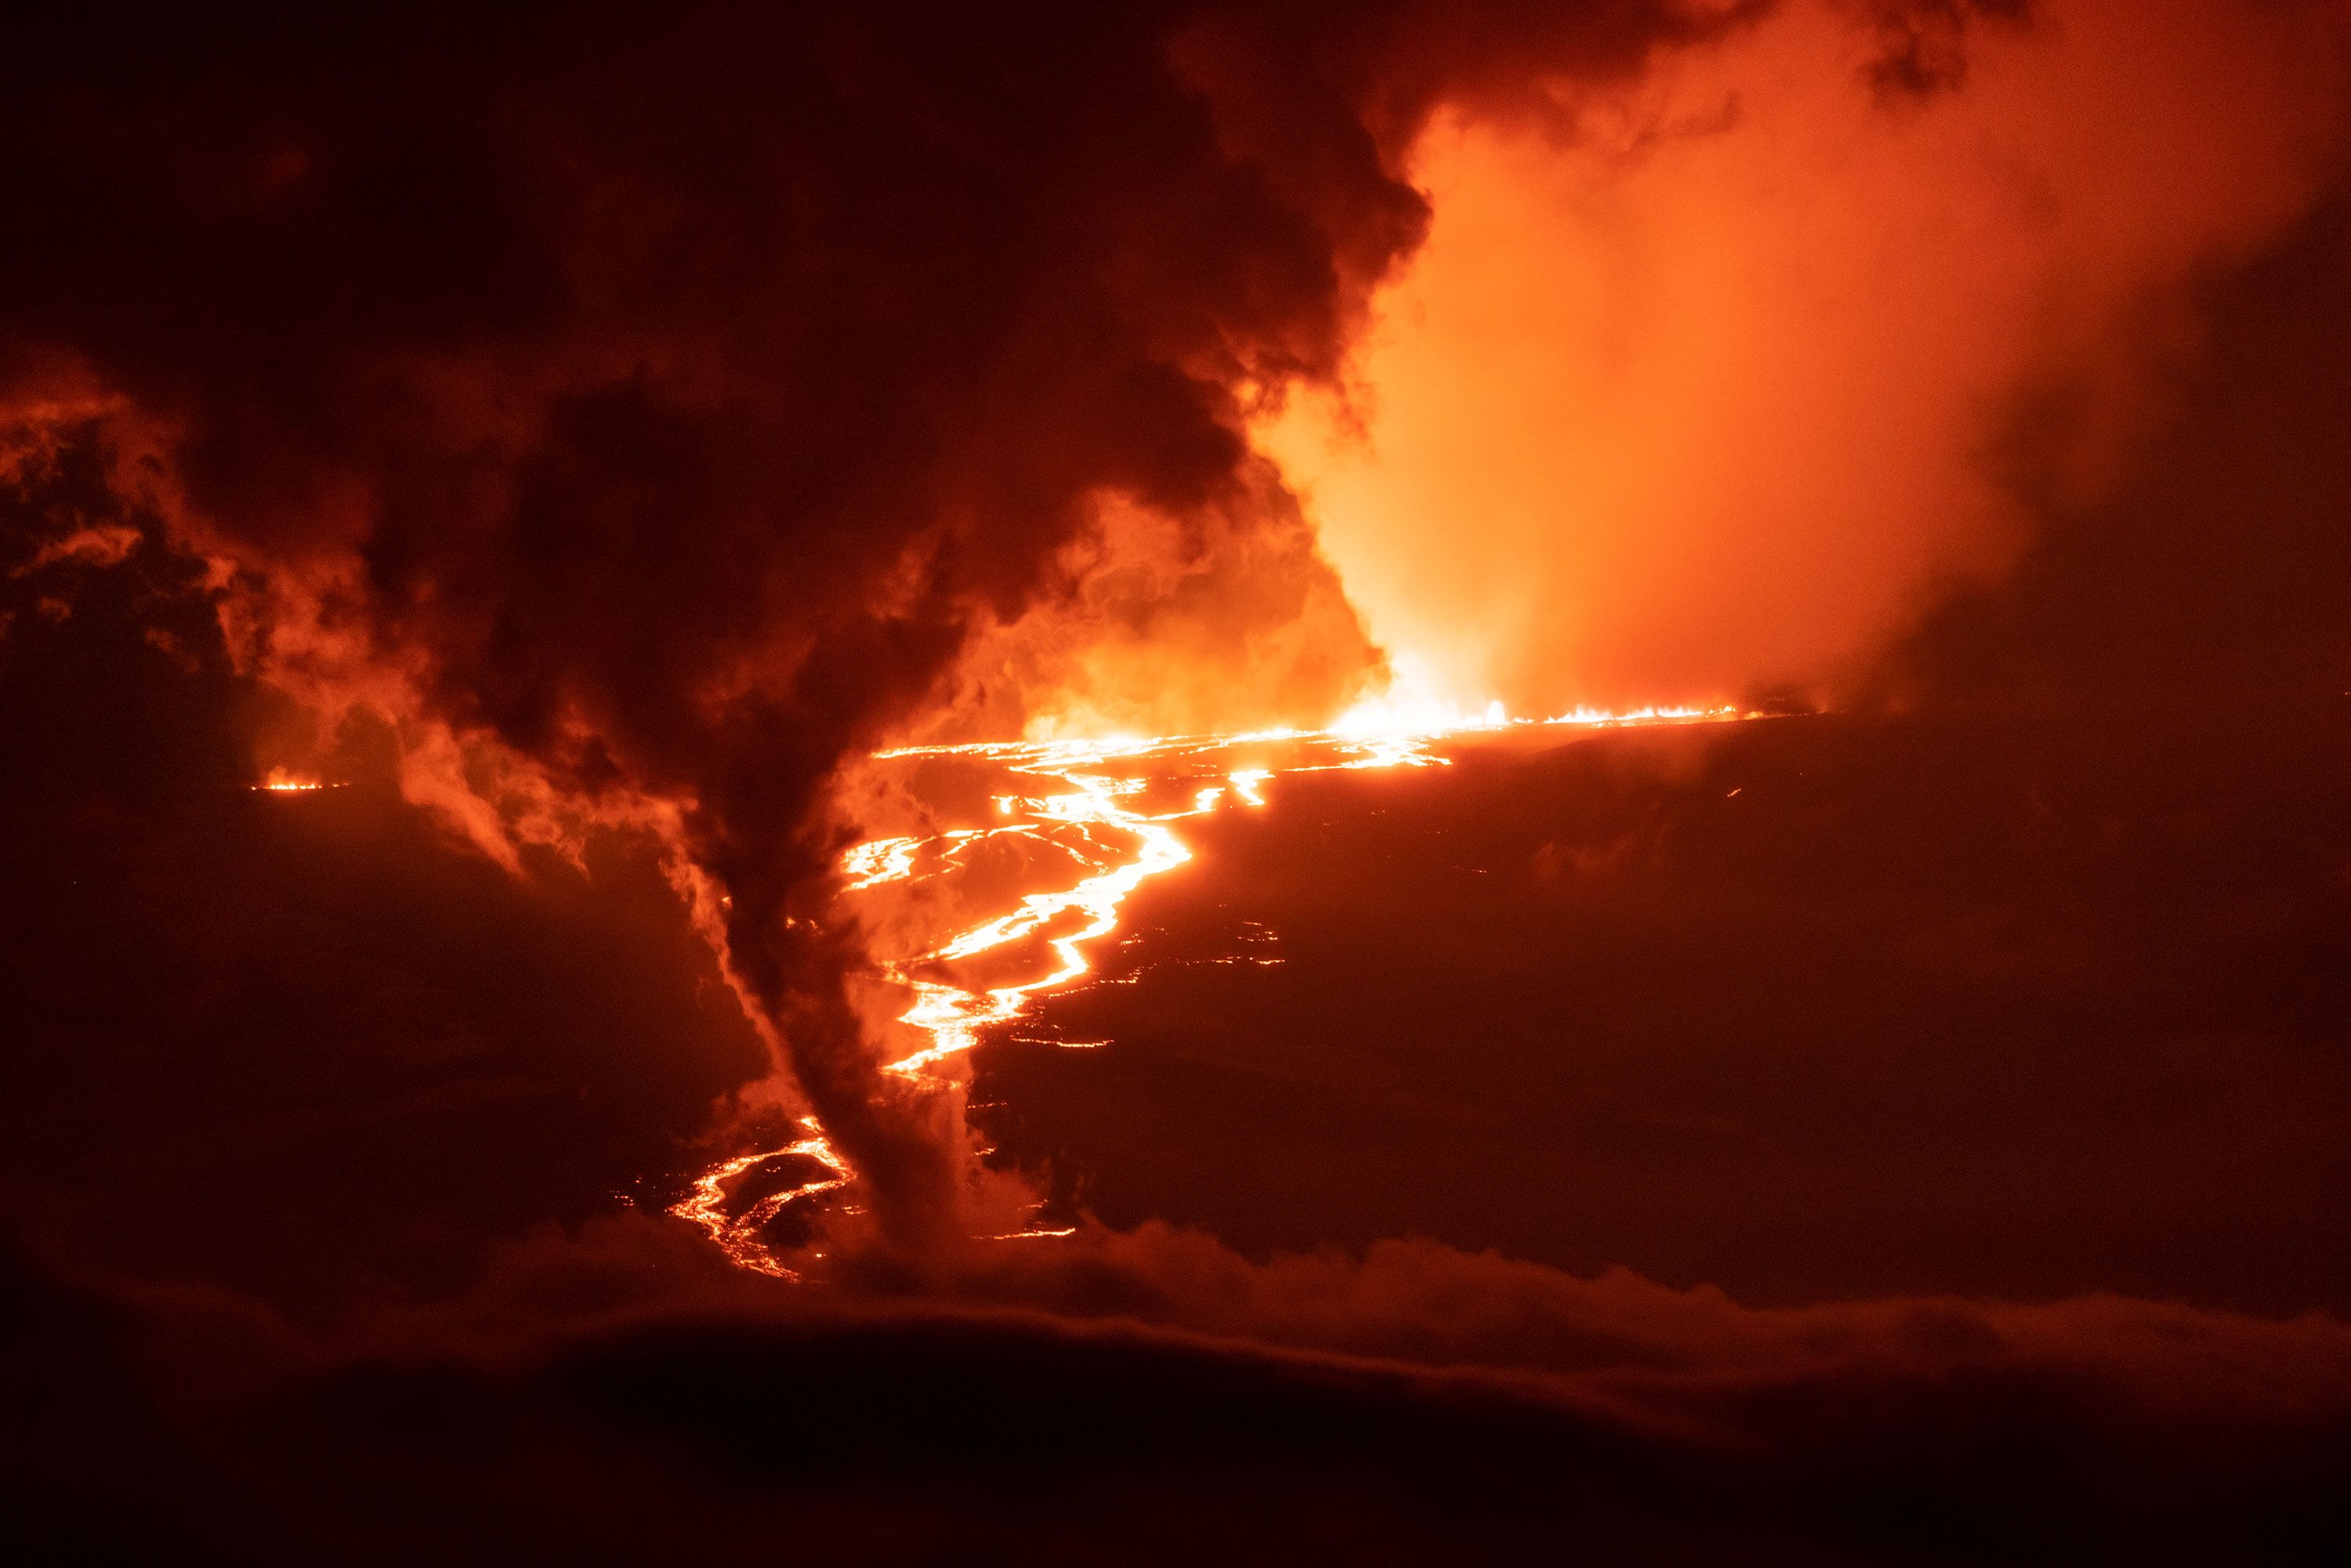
[1121, 746]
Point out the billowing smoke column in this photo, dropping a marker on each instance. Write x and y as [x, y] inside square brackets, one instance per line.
[1710, 383]
[641, 406]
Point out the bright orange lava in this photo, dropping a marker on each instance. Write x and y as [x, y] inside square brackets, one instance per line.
[1101, 820]
[281, 782]
[710, 1205]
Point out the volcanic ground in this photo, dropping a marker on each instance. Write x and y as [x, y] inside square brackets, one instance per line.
[1806, 1008]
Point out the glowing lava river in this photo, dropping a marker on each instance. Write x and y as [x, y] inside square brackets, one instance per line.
[1025, 854]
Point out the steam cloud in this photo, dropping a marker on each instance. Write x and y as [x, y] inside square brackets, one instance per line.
[1714, 383]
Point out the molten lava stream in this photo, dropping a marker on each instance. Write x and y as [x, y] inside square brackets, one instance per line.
[1103, 822]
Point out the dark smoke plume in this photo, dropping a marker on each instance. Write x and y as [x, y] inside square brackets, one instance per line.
[655, 398]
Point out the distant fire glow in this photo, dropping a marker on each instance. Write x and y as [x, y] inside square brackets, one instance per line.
[283, 782]
[1113, 817]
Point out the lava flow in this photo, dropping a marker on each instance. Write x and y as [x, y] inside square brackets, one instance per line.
[281, 782]
[1112, 823]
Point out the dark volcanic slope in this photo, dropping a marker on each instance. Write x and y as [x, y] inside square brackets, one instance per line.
[1805, 1008]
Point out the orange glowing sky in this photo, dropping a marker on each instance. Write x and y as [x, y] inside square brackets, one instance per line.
[1707, 386]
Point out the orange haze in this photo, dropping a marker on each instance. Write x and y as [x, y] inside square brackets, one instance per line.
[1706, 385]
